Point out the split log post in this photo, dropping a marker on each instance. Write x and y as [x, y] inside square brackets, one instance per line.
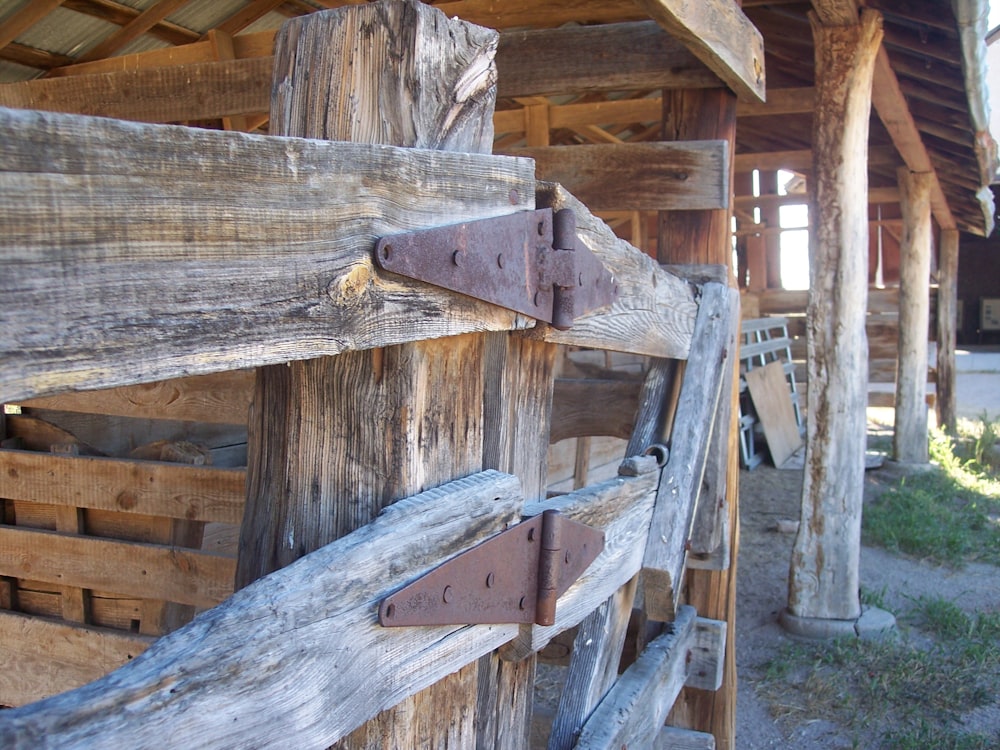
[947, 320]
[334, 440]
[823, 578]
[909, 440]
[697, 237]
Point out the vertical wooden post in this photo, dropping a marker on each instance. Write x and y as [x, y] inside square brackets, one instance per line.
[909, 441]
[706, 237]
[947, 320]
[823, 579]
[334, 440]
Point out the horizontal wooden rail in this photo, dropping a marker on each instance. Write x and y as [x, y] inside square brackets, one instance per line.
[152, 488]
[593, 407]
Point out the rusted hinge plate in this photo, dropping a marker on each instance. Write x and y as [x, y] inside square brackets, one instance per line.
[530, 262]
[514, 577]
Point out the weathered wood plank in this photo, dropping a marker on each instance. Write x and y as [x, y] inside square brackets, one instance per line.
[153, 488]
[593, 407]
[38, 654]
[149, 571]
[655, 311]
[621, 507]
[313, 662]
[633, 712]
[946, 317]
[677, 496]
[638, 176]
[672, 738]
[220, 398]
[111, 274]
[721, 36]
[607, 57]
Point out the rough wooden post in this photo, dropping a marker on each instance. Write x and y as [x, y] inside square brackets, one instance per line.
[823, 579]
[909, 440]
[705, 237]
[947, 321]
[334, 440]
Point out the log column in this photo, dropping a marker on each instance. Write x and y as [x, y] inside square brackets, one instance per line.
[947, 320]
[334, 440]
[909, 441]
[823, 578]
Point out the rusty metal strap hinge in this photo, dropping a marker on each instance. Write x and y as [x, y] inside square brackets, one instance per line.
[530, 262]
[514, 577]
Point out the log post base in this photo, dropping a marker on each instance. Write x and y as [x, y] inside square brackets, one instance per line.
[873, 624]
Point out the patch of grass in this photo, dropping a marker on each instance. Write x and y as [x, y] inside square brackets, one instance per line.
[950, 514]
[884, 686]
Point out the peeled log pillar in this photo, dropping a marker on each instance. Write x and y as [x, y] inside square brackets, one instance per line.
[823, 580]
[909, 441]
[947, 320]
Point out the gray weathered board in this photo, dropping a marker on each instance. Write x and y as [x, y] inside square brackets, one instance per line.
[773, 401]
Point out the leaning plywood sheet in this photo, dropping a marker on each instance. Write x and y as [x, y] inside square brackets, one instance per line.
[138, 252]
[296, 659]
[773, 401]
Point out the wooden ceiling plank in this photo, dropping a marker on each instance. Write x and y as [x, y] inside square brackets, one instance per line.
[133, 30]
[122, 15]
[610, 57]
[25, 18]
[890, 105]
[721, 36]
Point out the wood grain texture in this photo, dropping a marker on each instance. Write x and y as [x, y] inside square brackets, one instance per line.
[149, 571]
[619, 506]
[909, 437]
[220, 398]
[772, 400]
[313, 663]
[947, 322]
[654, 312]
[634, 711]
[152, 488]
[680, 486]
[721, 36]
[592, 407]
[608, 57]
[638, 176]
[823, 579]
[112, 275]
[38, 653]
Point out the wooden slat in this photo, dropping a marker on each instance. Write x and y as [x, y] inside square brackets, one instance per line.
[633, 712]
[42, 657]
[608, 57]
[159, 286]
[142, 570]
[193, 493]
[772, 400]
[677, 495]
[721, 36]
[219, 398]
[638, 176]
[259, 666]
[654, 313]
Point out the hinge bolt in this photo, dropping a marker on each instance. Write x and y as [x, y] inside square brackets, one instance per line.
[447, 594]
[490, 580]
[500, 260]
[456, 257]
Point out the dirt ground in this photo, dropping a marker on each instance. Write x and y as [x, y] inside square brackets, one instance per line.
[767, 496]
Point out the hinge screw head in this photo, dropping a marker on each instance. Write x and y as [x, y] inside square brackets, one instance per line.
[520, 604]
[490, 580]
[500, 260]
[456, 257]
[447, 595]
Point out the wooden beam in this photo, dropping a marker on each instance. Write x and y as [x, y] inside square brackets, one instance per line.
[890, 104]
[33, 58]
[609, 57]
[795, 101]
[197, 91]
[186, 276]
[588, 408]
[836, 12]
[246, 16]
[123, 15]
[132, 30]
[530, 13]
[638, 176]
[947, 314]
[721, 36]
[291, 626]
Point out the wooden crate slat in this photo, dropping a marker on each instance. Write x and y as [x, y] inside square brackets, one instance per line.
[153, 488]
[38, 654]
[147, 571]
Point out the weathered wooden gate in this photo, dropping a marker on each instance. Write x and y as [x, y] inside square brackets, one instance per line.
[394, 423]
